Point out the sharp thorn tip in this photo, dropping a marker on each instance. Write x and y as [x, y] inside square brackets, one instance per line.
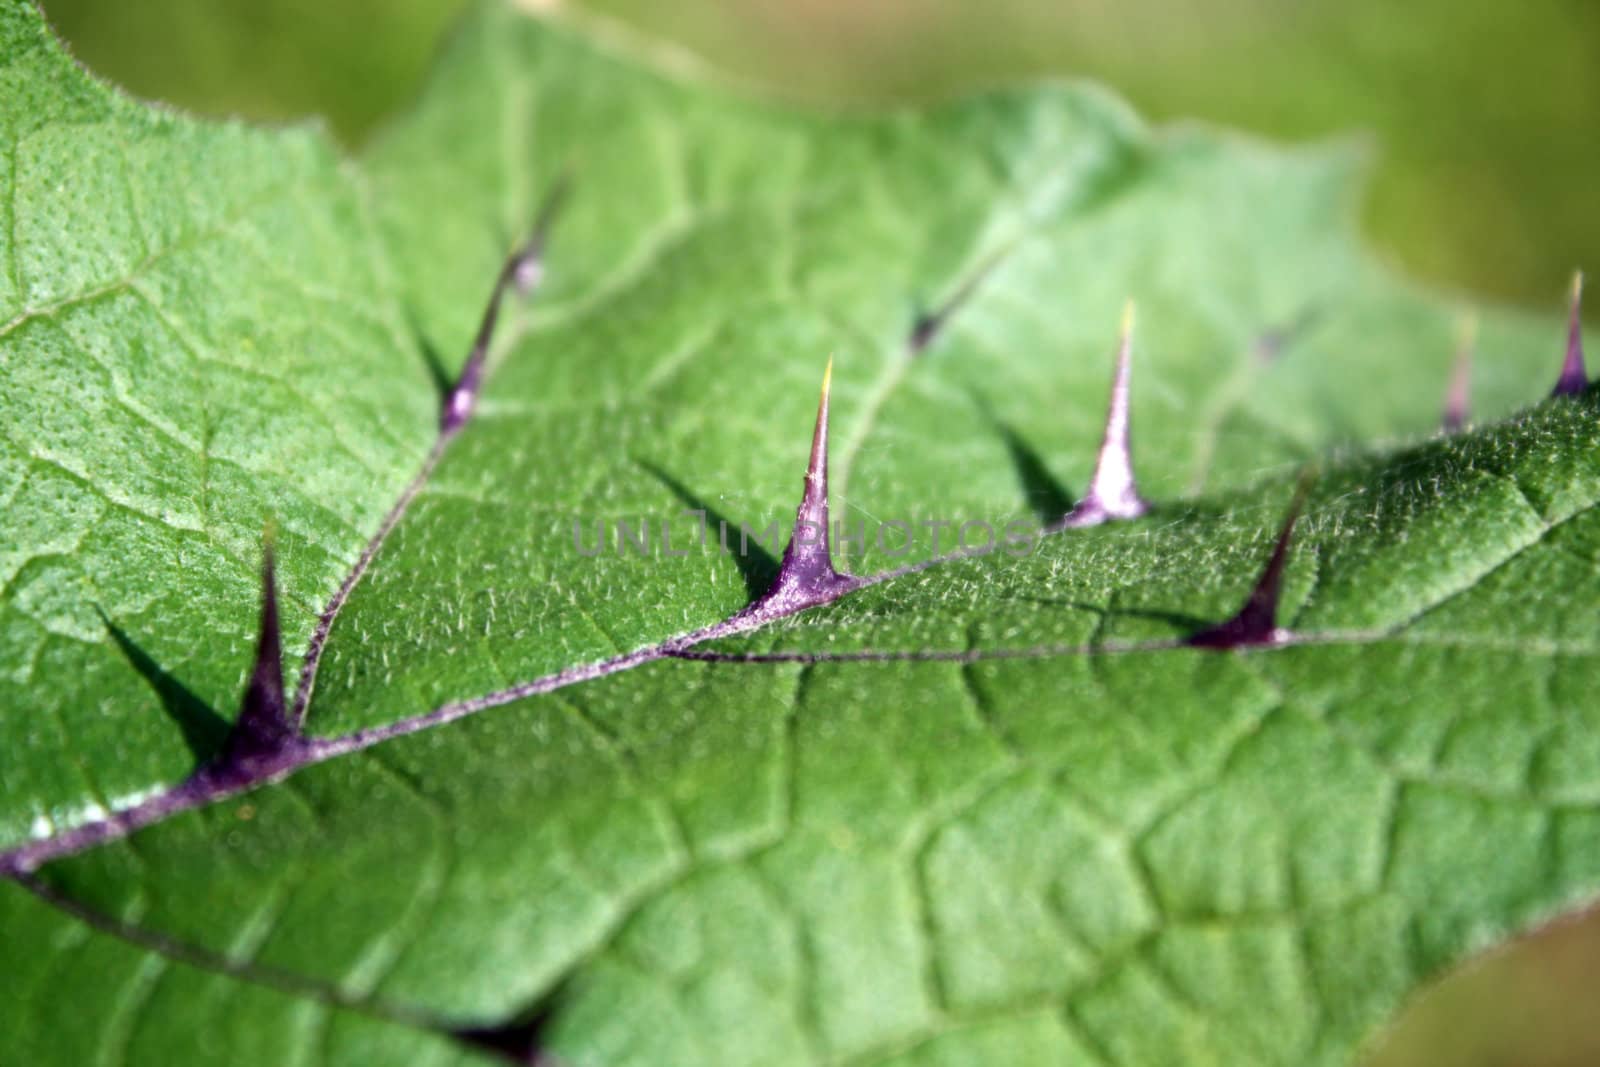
[1113, 491]
[806, 575]
[1573, 379]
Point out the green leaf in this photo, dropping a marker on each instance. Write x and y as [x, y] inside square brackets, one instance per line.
[984, 811]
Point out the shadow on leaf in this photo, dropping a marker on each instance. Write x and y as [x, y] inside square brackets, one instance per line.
[522, 1040]
[204, 730]
[756, 565]
[1047, 497]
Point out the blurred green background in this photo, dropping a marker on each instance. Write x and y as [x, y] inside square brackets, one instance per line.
[1482, 112]
[1482, 115]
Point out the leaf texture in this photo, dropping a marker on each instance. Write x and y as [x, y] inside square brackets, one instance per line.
[988, 810]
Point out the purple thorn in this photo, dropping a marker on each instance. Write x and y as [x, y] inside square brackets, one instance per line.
[1256, 623]
[1574, 379]
[806, 576]
[1112, 493]
[523, 271]
[1458, 399]
[263, 732]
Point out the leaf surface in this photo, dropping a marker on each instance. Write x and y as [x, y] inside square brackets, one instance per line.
[1017, 826]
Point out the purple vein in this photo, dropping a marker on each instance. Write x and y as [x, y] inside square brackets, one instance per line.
[203, 789]
[925, 655]
[1284, 640]
[330, 613]
[522, 270]
[200, 791]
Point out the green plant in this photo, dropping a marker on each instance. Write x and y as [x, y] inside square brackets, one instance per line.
[994, 808]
